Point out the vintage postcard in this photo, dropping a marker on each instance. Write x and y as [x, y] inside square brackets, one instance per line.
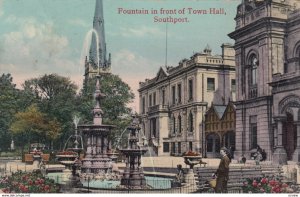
[149, 96]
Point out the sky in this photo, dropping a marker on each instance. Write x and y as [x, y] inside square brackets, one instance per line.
[40, 37]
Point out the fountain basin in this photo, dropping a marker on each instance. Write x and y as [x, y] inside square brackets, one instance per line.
[153, 182]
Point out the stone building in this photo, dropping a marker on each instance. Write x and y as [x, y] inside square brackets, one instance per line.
[219, 129]
[267, 46]
[97, 60]
[174, 102]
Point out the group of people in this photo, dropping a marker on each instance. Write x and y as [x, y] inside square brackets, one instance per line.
[260, 154]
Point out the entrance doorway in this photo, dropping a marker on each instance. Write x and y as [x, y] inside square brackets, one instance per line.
[213, 145]
[289, 138]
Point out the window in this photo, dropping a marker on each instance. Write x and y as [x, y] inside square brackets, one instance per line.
[179, 124]
[179, 93]
[191, 89]
[153, 120]
[253, 131]
[233, 85]
[173, 95]
[143, 105]
[191, 146]
[166, 147]
[173, 147]
[150, 100]
[254, 65]
[174, 125]
[191, 122]
[179, 147]
[285, 68]
[154, 98]
[210, 84]
[163, 97]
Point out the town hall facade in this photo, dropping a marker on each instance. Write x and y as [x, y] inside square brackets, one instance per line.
[267, 46]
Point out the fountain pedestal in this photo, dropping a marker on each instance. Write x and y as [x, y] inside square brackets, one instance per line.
[133, 176]
[191, 161]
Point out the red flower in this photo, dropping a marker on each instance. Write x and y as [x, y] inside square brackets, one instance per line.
[191, 153]
[264, 180]
[42, 181]
[254, 184]
[277, 189]
[30, 182]
[284, 185]
[273, 183]
[47, 188]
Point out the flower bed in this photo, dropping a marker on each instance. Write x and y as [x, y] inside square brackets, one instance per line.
[191, 153]
[28, 182]
[265, 185]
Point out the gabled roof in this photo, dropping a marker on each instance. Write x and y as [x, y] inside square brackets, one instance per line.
[161, 74]
[220, 109]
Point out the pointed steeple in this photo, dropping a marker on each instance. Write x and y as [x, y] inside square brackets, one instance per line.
[98, 46]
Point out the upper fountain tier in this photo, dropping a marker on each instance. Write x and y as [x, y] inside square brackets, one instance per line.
[97, 125]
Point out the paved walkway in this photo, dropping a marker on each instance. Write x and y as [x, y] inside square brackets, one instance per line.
[156, 162]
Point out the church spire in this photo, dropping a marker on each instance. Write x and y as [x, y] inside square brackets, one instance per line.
[98, 46]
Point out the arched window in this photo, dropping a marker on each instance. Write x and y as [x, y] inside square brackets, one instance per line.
[253, 69]
[191, 122]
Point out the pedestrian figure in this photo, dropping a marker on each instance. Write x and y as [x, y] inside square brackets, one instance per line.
[264, 155]
[180, 173]
[179, 178]
[232, 149]
[223, 171]
[243, 159]
[258, 158]
[258, 149]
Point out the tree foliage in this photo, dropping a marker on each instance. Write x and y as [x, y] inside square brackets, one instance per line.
[56, 97]
[35, 125]
[9, 97]
[43, 110]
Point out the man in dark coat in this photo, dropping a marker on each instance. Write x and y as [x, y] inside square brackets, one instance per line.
[223, 171]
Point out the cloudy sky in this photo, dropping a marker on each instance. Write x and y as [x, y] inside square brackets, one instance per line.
[50, 36]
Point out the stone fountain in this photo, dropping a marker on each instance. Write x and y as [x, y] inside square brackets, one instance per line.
[70, 158]
[97, 164]
[133, 176]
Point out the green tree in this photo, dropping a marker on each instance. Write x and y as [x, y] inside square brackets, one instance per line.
[56, 97]
[9, 97]
[118, 95]
[34, 125]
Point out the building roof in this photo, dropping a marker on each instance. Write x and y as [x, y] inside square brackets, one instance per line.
[220, 109]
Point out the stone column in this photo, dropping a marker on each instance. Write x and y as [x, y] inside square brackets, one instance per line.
[94, 153]
[89, 146]
[98, 146]
[296, 154]
[280, 156]
[104, 150]
[275, 135]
